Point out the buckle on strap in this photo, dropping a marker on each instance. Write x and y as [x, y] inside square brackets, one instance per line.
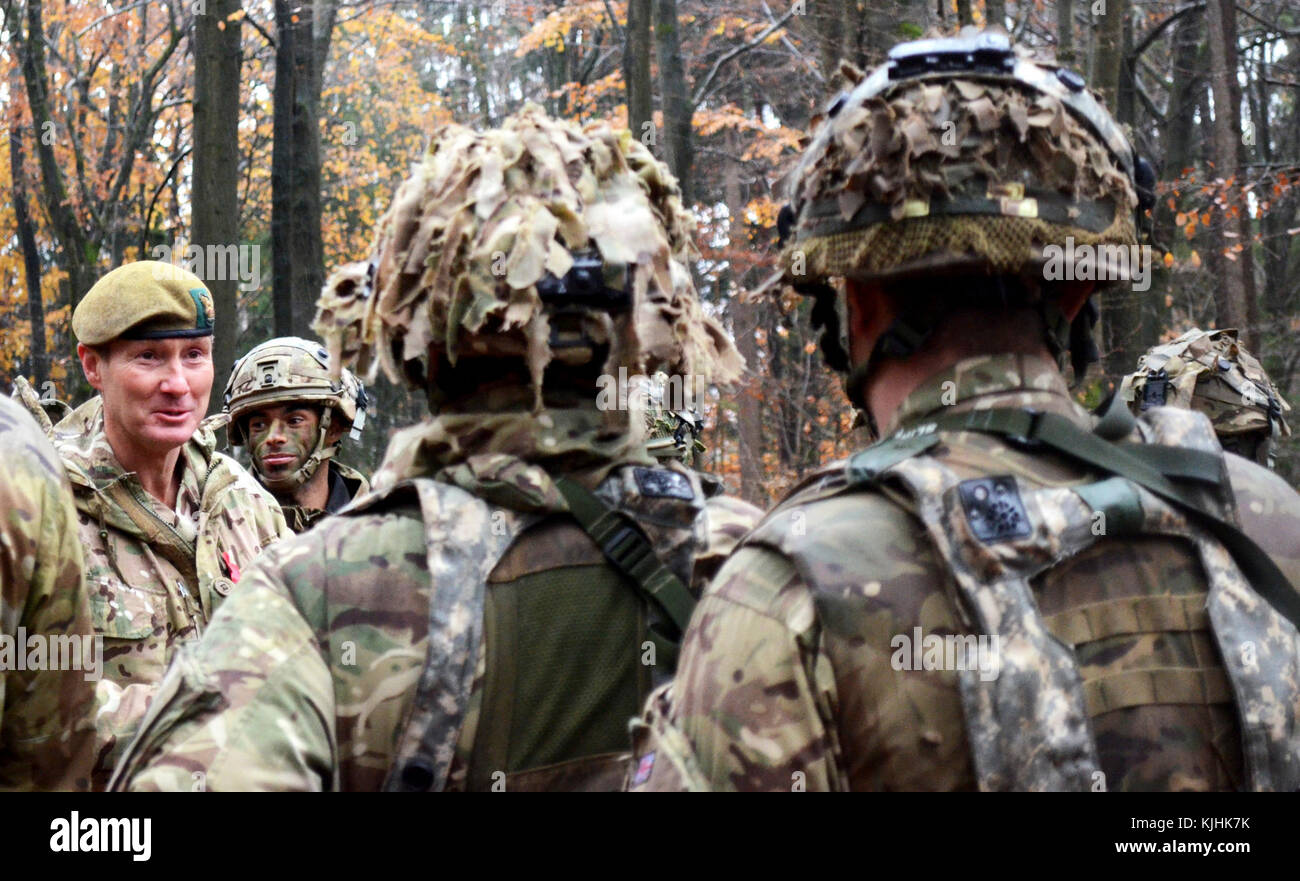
[1019, 426]
[626, 547]
[1028, 435]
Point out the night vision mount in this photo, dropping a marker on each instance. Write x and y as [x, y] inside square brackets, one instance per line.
[584, 287]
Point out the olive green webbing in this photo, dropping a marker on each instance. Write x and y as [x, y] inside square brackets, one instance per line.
[563, 670]
[1137, 463]
[622, 542]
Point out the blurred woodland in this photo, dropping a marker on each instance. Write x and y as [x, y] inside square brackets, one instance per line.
[284, 126]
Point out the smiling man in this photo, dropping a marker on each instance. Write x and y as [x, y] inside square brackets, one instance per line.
[291, 416]
[166, 522]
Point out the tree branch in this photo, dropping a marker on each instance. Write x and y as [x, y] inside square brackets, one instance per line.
[794, 50]
[103, 18]
[618, 28]
[1156, 31]
[261, 30]
[144, 113]
[1272, 26]
[153, 200]
[703, 88]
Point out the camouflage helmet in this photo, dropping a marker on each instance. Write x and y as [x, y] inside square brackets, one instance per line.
[531, 241]
[672, 420]
[963, 154]
[293, 370]
[1211, 372]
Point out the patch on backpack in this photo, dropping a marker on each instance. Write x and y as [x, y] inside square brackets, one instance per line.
[659, 483]
[993, 508]
[643, 768]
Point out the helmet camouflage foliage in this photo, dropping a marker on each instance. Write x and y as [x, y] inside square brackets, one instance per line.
[532, 241]
[959, 155]
[1210, 371]
[292, 370]
[672, 422]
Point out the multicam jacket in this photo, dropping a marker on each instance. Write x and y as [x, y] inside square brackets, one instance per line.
[312, 674]
[156, 576]
[818, 658]
[345, 485]
[47, 666]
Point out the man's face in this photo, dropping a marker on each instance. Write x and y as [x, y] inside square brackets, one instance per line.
[281, 437]
[155, 391]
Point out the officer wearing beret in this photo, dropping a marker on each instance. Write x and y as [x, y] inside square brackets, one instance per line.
[167, 523]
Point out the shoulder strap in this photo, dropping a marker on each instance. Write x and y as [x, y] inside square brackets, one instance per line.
[624, 545]
[1162, 470]
[462, 551]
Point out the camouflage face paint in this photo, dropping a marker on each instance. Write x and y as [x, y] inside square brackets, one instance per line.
[281, 438]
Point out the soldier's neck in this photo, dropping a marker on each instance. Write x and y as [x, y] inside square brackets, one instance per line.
[315, 493]
[157, 474]
[890, 384]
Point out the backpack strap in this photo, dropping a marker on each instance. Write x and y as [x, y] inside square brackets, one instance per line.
[1156, 472]
[626, 547]
[462, 550]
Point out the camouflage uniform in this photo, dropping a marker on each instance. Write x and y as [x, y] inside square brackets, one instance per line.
[46, 716]
[289, 371]
[842, 646]
[1212, 373]
[457, 629]
[346, 484]
[674, 435]
[155, 575]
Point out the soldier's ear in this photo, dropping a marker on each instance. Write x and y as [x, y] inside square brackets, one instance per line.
[870, 312]
[338, 425]
[92, 363]
[1073, 295]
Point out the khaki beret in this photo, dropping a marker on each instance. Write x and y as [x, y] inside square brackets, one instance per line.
[144, 300]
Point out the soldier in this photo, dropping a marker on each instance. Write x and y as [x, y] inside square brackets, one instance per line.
[675, 435]
[998, 595]
[167, 523]
[1210, 372]
[291, 416]
[496, 610]
[49, 660]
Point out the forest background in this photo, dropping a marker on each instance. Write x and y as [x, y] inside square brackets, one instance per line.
[278, 131]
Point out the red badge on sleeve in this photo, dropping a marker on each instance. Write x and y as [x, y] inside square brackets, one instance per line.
[229, 567]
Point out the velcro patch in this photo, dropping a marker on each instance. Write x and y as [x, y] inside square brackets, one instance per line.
[659, 483]
[993, 508]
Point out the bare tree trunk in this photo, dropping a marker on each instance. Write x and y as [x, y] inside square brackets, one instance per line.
[1232, 297]
[1109, 52]
[996, 13]
[73, 247]
[1272, 223]
[964, 16]
[749, 425]
[480, 68]
[40, 362]
[1065, 32]
[215, 208]
[1188, 80]
[1121, 307]
[636, 68]
[297, 253]
[679, 150]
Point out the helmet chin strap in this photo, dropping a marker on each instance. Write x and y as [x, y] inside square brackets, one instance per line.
[320, 453]
[904, 336]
